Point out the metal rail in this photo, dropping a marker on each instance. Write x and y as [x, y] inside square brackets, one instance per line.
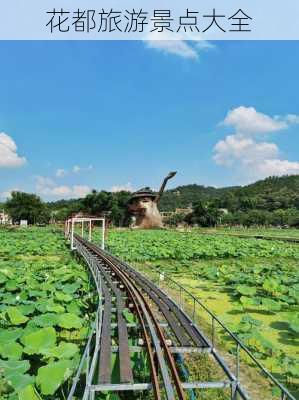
[146, 318]
[122, 288]
[125, 289]
[285, 394]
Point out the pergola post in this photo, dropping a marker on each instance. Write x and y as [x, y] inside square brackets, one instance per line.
[89, 233]
[72, 235]
[70, 229]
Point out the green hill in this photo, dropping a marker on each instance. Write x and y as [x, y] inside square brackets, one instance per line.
[269, 194]
[185, 196]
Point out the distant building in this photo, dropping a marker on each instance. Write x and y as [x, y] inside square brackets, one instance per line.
[167, 214]
[184, 211]
[223, 210]
[4, 218]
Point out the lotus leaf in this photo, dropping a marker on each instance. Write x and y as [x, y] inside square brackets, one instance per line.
[11, 350]
[246, 290]
[71, 288]
[28, 393]
[16, 316]
[63, 350]
[69, 321]
[249, 302]
[19, 381]
[11, 285]
[9, 335]
[63, 297]
[56, 308]
[45, 320]
[271, 285]
[271, 305]
[11, 367]
[59, 372]
[40, 341]
[27, 309]
[73, 308]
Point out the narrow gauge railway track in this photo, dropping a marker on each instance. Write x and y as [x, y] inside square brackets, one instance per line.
[123, 289]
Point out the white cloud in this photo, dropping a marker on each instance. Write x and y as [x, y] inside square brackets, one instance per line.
[237, 148]
[202, 44]
[118, 188]
[246, 120]
[43, 181]
[292, 119]
[47, 187]
[249, 156]
[59, 191]
[277, 167]
[64, 191]
[9, 157]
[7, 194]
[81, 190]
[189, 49]
[178, 47]
[60, 173]
[77, 168]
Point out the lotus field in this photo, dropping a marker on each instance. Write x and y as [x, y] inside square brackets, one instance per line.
[251, 284]
[47, 300]
[46, 306]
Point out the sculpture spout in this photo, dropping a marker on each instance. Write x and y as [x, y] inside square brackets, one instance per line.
[164, 183]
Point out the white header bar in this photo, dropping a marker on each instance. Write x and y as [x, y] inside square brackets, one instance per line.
[149, 20]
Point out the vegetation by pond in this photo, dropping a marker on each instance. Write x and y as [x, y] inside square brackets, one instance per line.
[44, 314]
[251, 284]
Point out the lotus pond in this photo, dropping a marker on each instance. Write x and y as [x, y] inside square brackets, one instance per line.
[251, 284]
[45, 314]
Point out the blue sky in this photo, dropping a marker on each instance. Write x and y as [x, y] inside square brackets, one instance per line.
[107, 115]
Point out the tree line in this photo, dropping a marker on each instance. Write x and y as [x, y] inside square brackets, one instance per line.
[272, 201]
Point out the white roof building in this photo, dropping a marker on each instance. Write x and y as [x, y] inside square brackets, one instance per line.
[4, 218]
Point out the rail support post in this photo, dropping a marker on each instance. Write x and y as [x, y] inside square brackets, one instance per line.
[193, 313]
[180, 297]
[213, 332]
[234, 392]
[238, 362]
[72, 236]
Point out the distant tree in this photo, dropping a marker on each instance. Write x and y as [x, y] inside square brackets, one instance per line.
[62, 213]
[293, 217]
[27, 206]
[119, 212]
[97, 202]
[205, 214]
[271, 201]
[116, 214]
[255, 217]
[279, 217]
[175, 219]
